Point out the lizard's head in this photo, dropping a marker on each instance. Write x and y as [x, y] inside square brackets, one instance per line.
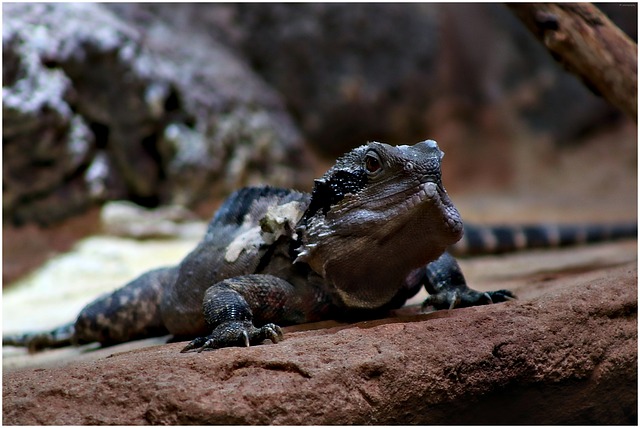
[379, 213]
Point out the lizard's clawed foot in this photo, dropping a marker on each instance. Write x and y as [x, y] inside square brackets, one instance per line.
[235, 333]
[450, 299]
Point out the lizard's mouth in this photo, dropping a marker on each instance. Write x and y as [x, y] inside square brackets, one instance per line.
[430, 200]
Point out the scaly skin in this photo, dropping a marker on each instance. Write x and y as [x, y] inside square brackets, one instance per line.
[375, 229]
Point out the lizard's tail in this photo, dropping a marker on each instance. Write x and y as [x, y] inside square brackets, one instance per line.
[501, 239]
[62, 336]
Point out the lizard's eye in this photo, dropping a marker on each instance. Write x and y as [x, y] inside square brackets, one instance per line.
[372, 163]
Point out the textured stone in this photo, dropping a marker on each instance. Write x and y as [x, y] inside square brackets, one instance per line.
[396, 70]
[568, 355]
[107, 107]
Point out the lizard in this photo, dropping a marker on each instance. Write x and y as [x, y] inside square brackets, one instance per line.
[376, 228]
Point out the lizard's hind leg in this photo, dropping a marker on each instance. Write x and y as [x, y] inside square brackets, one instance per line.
[129, 313]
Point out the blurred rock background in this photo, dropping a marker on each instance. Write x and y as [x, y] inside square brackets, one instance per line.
[181, 104]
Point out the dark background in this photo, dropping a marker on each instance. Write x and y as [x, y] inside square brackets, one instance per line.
[183, 103]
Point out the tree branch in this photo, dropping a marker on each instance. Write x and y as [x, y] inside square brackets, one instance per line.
[588, 44]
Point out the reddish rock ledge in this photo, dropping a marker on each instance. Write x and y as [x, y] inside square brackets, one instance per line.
[568, 356]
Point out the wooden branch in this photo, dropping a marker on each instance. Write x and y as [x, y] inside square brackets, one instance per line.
[589, 45]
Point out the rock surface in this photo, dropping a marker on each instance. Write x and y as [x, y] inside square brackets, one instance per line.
[351, 72]
[105, 107]
[566, 352]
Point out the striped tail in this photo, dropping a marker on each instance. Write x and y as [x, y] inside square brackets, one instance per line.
[57, 338]
[478, 240]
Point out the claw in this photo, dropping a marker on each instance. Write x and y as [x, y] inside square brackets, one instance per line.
[206, 345]
[488, 296]
[455, 300]
[273, 332]
[196, 343]
[235, 334]
[510, 297]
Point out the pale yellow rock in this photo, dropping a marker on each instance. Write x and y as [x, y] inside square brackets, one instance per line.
[55, 293]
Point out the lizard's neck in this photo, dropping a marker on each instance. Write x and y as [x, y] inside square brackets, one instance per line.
[379, 213]
[367, 266]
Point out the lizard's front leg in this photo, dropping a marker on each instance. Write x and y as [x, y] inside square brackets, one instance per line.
[244, 310]
[448, 288]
